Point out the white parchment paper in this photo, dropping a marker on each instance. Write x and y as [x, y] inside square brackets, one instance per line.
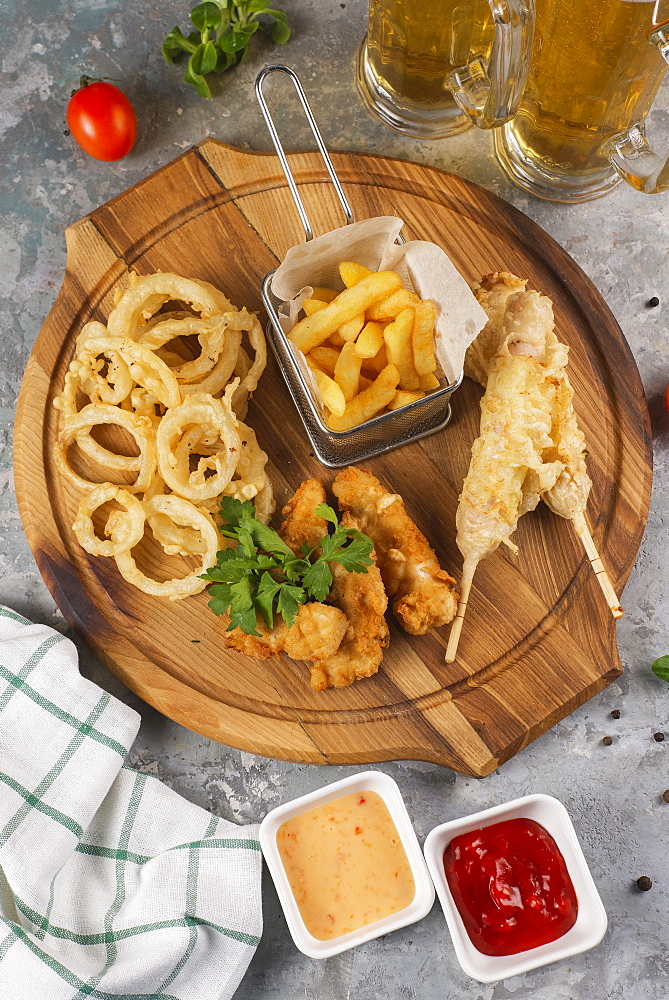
[423, 266]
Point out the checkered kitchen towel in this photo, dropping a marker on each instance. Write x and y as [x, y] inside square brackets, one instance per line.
[111, 884]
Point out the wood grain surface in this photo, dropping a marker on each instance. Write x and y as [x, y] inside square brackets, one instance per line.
[538, 640]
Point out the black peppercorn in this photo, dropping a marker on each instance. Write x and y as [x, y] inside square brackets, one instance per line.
[653, 302]
[607, 741]
[615, 714]
[658, 737]
[644, 883]
[665, 795]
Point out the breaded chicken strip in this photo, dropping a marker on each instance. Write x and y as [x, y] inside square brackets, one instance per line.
[424, 595]
[301, 524]
[318, 629]
[362, 598]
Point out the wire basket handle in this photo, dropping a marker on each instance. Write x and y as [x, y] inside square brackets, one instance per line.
[260, 79]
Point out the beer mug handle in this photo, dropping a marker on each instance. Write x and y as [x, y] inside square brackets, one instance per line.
[490, 95]
[630, 152]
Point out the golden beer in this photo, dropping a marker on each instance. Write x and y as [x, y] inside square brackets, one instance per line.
[412, 46]
[594, 73]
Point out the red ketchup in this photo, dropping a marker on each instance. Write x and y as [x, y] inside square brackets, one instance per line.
[511, 886]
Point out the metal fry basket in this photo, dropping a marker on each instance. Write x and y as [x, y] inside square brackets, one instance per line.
[384, 432]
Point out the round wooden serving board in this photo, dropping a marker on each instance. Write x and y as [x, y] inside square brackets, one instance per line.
[538, 639]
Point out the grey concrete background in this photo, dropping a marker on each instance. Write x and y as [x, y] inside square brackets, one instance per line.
[613, 793]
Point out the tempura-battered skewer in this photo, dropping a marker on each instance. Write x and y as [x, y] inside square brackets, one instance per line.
[514, 436]
[568, 497]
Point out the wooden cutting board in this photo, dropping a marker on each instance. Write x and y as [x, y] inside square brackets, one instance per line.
[538, 640]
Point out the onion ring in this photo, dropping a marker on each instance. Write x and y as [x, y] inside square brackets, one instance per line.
[199, 409]
[126, 528]
[101, 413]
[144, 366]
[182, 513]
[145, 295]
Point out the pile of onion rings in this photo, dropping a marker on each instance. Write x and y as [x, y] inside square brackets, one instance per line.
[184, 415]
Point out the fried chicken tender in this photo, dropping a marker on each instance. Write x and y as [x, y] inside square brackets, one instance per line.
[301, 524]
[424, 594]
[319, 629]
[362, 598]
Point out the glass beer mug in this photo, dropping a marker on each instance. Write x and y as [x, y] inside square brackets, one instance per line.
[596, 68]
[432, 68]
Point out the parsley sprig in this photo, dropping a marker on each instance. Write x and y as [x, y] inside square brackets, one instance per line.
[262, 575]
[223, 29]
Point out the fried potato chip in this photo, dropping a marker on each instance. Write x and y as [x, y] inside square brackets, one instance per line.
[324, 294]
[330, 392]
[352, 273]
[402, 398]
[428, 382]
[392, 306]
[349, 331]
[370, 340]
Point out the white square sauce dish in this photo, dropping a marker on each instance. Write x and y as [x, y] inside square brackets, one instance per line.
[568, 899]
[346, 864]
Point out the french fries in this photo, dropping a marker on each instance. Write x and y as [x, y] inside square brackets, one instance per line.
[311, 331]
[370, 347]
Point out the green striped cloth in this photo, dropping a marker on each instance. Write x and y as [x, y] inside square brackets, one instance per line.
[111, 884]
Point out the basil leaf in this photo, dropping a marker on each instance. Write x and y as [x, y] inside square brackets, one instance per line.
[197, 80]
[281, 29]
[206, 15]
[234, 41]
[661, 668]
[258, 6]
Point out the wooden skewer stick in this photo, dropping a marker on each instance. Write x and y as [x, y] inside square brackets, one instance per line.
[468, 571]
[582, 530]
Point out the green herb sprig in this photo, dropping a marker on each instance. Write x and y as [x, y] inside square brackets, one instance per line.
[262, 575]
[223, 29]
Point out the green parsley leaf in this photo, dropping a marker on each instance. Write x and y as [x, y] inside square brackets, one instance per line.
[318, 580]
[661, 668]
[288, 600]
[262, 575]
[326, 512]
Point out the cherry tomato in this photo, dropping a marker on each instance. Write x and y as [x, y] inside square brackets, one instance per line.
[102, 120]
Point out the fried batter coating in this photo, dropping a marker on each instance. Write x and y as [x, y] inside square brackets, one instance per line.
[362, 598]
[301, 524]
[424, 594]
[318, 630]
[492, 292]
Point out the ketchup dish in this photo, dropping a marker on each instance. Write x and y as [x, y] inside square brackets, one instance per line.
[515, 888]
